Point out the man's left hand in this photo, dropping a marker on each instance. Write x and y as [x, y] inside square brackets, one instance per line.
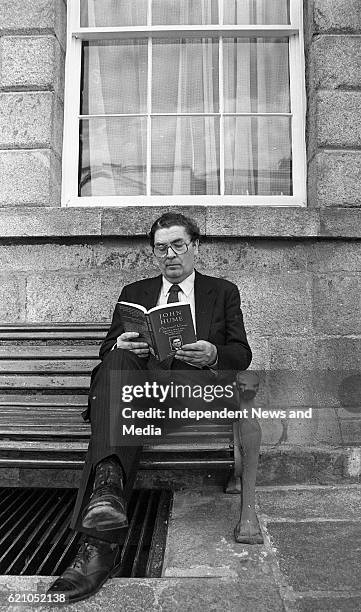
[200, 353]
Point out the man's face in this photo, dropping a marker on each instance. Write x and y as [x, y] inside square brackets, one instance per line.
[176, 267]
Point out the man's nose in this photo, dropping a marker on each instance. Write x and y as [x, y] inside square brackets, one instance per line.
[170, 252]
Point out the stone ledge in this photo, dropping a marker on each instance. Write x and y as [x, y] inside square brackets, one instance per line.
[49, 222]
[256, 222]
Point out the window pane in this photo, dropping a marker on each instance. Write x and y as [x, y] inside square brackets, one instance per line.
[258, 158]
[256, 75]
[113, 13]
[187, 12]
[185, 156]
[114, 77]
[256, 11]
[112, 156]
[185, 76]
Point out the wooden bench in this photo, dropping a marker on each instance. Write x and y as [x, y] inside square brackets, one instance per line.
[44, 380]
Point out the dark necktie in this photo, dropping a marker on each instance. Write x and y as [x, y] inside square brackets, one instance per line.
[173, 294]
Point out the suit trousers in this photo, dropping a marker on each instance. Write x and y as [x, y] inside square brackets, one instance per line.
[126, 364]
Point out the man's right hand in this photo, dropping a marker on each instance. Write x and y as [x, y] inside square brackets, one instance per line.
[127, 341]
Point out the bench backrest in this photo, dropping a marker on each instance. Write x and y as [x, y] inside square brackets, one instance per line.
[44, 379]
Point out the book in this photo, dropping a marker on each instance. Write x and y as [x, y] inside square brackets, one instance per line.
[165, 328]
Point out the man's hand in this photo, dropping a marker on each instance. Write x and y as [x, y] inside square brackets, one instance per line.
[127, 341]
[200, 353]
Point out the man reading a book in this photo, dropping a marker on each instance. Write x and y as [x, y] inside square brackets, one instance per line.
[108, 476]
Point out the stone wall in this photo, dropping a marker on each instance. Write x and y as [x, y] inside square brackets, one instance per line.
[298, 270]
[333, 69]
[32, 50]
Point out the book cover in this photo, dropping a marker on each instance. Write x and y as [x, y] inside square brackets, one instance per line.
[165, 328]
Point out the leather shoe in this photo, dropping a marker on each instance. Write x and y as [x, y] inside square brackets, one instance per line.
[106, 509]
[95, 562]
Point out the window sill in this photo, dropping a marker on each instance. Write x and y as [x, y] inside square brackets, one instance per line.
[252, 221]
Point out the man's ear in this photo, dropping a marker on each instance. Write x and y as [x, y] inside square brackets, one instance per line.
[196, 247]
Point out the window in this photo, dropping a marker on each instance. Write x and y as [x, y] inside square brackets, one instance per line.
[184, 102]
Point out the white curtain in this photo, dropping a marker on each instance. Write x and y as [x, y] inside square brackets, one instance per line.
[185, 80]
[256, 80]
[115, 78]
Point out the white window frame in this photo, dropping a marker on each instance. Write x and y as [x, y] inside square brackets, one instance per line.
[70, 160]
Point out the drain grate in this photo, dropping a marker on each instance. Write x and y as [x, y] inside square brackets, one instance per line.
[35, 538]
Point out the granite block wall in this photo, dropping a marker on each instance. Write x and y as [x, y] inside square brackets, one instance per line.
[298, 270]
[333, 70]
[301, 301]
[32, 51]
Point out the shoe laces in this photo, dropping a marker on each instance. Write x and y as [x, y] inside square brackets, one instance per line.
[86, 551]
[108, 473]
[106, 489]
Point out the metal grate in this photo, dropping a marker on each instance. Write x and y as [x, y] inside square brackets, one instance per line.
[35, 538]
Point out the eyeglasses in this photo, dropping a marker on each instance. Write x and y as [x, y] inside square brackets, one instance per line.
[179, 247]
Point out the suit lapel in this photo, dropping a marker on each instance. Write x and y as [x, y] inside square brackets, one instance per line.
[151, 292]
[204, 296]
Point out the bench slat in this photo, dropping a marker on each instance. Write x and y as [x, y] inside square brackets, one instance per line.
[47, 331]
[34, 418]
[49, 352]
[43, 382]
[43, 400]
[41, 446]
[27, 412]
[45, 445]
[46, 365]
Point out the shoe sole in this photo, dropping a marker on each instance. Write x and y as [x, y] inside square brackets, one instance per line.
[112, 573]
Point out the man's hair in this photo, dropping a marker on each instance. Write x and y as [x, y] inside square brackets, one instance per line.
[173, 218]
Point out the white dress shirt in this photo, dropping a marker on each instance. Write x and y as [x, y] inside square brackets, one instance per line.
[186, 295]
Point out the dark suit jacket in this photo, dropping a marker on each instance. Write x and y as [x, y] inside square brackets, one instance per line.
[218, 317]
